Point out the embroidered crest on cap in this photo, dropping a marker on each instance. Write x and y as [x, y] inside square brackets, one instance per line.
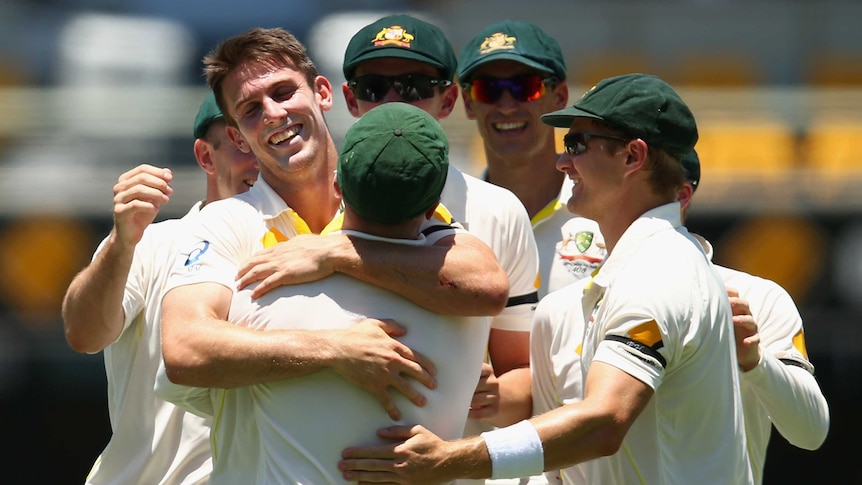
[498, 41]
[395, 35]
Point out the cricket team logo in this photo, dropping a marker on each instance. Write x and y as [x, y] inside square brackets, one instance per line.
[395, 35]
[583, 240]
[580, 253]
[496, 42]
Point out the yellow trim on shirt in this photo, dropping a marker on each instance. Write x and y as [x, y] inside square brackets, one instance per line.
[646, 333]
[546, 212]
[799, 343]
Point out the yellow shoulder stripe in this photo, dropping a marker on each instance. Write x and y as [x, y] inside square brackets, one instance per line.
[646, 333]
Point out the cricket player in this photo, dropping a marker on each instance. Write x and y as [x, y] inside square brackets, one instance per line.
[114, 305]
[402, 58]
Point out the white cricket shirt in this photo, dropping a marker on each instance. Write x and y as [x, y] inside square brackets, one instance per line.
[497, 217]
[658, 311]
[228, 232]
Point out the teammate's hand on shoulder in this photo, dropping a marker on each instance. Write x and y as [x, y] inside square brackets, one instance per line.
[300, 259]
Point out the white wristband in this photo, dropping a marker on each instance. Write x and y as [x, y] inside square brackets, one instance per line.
[516, 451]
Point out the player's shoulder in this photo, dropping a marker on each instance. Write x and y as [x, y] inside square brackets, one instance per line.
[742, 279]
[162, 231]
[497, 201]
[565, 297]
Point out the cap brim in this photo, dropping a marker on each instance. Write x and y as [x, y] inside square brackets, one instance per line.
[503, 56]
[564, 117]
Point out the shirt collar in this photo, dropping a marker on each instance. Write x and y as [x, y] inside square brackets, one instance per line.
[658, 219]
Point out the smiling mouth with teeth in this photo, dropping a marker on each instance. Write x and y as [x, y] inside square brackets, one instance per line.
[282, 136]
[510, 126]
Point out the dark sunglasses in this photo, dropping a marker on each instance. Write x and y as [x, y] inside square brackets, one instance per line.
[410, 87]
[576, 142]
[522, 88]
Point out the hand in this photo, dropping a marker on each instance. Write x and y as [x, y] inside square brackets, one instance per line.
[138, 196]
[417, 457]
[371, 358]
[303, 258]
[745, 330]
[486, 398]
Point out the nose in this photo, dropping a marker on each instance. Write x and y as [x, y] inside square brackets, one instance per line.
[564, 162]
[272, 111]
[507, 102]
[391, 96]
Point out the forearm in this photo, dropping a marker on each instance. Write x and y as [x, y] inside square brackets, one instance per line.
[516, 402]
[461, 279]
[92, 308]
[793, 400]
[211, 352]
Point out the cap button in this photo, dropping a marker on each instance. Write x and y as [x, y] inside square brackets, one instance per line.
[397, 132]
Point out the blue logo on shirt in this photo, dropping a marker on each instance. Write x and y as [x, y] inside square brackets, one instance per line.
[196, 253]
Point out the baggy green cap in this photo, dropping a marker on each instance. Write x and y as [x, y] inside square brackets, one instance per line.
[393, 163]
[642, 105]
[513, 40]
[207, 113]
[401, 36]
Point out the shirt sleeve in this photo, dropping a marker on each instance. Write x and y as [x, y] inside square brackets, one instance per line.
[783, 380]
[195, 400]
[793, 399]
[520, 260]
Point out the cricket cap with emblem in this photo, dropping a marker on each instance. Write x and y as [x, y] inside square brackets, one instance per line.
[207, 113]
[642, 105]
[404, 37]
[393, 163]
[512, 40]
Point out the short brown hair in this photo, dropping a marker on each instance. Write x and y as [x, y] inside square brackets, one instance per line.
[666, 172]
[269, 46]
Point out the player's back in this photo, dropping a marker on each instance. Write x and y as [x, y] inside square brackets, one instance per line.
[306, 422]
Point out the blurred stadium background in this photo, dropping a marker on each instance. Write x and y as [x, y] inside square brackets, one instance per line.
[91, 88]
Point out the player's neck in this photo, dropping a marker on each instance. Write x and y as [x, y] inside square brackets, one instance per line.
[536, 184]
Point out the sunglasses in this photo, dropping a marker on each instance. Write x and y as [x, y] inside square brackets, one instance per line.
[522, 88]
[576, 142]
[410, 87]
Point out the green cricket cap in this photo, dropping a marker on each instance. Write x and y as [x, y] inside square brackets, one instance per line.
[512, 40]
[404, 37]
[207, 113]
[642, 105]
[691, 165]
[393, 163]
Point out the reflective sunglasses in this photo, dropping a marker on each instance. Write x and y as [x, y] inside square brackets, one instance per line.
[522, 88]
[576, 142]
[410, 87]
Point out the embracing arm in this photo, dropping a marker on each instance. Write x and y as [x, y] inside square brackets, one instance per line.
[201, 348]
[570, 434]
[458, 275]
[93, 314]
